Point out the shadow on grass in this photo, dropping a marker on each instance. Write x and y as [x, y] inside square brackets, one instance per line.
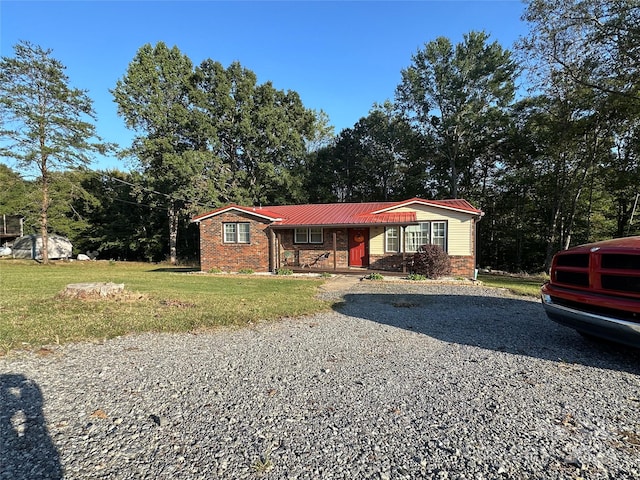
[504, 324]
[175, 269]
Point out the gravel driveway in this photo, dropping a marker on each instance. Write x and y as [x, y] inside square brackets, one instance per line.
[401, 380]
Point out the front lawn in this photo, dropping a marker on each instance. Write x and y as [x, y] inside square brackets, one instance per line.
[518, 284]
[157, 298]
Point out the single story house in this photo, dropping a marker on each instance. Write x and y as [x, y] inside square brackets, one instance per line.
[373, 235]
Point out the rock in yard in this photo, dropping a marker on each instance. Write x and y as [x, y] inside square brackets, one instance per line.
[159, 420]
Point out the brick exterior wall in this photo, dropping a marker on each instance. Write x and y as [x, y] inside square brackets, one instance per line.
[390, 262]
[393, 262]
[462, 267]
[232, 257]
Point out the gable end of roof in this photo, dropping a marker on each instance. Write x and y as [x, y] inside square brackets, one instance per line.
[256, 212]
[457, 205]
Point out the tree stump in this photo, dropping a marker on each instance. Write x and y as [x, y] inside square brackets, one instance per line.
[98, 289]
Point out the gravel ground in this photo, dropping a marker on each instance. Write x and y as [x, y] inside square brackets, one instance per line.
[401, 380]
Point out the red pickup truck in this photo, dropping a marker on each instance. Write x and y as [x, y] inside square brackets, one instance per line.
[595, 289]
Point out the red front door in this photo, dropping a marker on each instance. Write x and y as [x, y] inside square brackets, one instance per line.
[358, 247]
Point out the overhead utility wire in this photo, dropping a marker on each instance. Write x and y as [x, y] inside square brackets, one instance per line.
[101, 174]
[152, 191]
[137, 204]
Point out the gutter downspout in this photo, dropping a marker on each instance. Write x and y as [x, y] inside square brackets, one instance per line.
[476, 220]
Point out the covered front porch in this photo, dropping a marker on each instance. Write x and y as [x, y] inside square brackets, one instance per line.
[336, 249]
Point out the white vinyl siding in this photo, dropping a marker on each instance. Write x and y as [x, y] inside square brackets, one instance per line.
[376, 240]
[459, 227]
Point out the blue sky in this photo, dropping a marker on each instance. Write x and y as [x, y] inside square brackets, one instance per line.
[341, 57]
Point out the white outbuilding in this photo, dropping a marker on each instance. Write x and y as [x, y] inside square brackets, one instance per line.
[30, 246]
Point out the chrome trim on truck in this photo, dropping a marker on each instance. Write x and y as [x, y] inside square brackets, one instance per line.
[611, 328]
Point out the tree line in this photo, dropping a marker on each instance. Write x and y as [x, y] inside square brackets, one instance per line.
[544, 138]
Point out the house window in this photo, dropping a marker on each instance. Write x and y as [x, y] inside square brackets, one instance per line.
[301, 235]
[308, 235]
[392, 239]
[236, 233]
[415, 236]
[439, 234]
[315, 235]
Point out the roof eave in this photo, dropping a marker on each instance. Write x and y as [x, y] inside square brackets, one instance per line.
[248, 211]
[428, 204]
[343, 225]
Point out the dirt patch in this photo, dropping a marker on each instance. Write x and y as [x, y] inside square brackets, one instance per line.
[338, 283]
[176, 304]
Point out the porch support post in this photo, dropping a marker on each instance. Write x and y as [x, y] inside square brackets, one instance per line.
[279, 249]
[404, 255]
[335, 249]
[273, 248]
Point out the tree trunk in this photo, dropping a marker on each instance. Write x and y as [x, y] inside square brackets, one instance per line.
[454, 179]
[551, 238]
[581, 183]
[572, 212]
[173, 233]
[44, 218]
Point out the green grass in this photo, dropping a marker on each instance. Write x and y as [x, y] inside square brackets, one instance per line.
[375, 276]
[520, 285]
[157, 299]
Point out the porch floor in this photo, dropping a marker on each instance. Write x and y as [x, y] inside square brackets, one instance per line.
[344, 271]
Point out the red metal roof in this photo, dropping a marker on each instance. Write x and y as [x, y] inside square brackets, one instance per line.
[339, 214]
[369, 213]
